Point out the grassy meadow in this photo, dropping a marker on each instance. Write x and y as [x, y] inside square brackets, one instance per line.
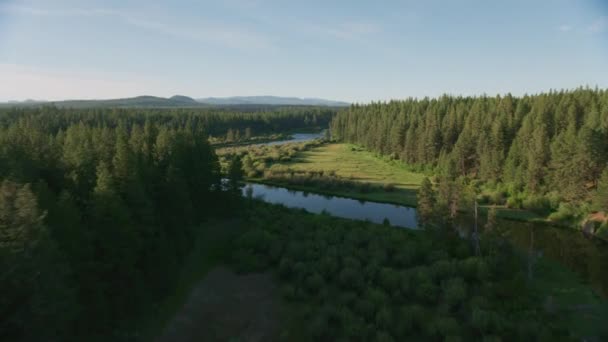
[357, 165]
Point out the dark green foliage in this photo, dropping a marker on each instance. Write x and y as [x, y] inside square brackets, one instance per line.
[360, 281]
[600, 200]
[97, 209]
[38, 301]
[536, 145]
[235, 174]
[216, 122]
[426, 201]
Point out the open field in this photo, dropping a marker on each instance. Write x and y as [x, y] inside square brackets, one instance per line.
[349, 162]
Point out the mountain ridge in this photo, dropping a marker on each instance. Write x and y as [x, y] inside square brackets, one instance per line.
[182, 101]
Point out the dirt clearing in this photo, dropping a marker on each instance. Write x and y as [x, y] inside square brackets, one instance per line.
[227, 307]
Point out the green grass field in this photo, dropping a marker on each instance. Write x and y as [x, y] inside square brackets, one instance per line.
[350, 162]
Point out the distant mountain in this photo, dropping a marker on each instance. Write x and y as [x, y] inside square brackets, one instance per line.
[181, 101]
[177, 101]
[270, 100]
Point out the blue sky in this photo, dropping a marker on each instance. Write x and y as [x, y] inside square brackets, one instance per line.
[344, 50]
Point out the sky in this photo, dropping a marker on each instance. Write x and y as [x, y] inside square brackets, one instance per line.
[357, 51]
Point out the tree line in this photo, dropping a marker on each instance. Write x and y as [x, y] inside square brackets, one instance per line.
[551, 147]
[98, 210]
[215, 122]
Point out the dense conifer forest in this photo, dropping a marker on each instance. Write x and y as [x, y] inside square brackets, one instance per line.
[99, 208]
[542, 152]
[232, 123]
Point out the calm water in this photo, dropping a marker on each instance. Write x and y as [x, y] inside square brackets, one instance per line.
[337, 206]
[297, 137]
[586, 256]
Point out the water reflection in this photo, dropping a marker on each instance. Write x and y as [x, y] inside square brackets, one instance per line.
[296, 137]
[337, 206]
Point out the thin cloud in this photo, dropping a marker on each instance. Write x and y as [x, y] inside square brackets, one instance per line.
[231, 37]
[565, 28]
[598, 26]
[350, 31]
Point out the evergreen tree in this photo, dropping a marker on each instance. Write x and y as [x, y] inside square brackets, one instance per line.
[426, 202]
[37, 302]
[235, 174]
[600, 198]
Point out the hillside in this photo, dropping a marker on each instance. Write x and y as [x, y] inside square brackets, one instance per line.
[181, 101]
[271, 100]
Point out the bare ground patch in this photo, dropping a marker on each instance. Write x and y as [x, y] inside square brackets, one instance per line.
[227, 307]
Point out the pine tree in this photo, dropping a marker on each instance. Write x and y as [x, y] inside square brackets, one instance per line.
[235, 174]
[600, 197]
[230, 135]
[426, 202]
[37, 301]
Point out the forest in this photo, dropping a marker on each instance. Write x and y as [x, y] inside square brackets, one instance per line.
[99, 207]
[221, 123]
[105, 212]
[544, 152]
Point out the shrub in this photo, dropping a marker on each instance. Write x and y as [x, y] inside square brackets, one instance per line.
[454, 291]
[319, 326]
[314, 282]
[389, 187]
[365, 187]
[566, 212]
[446, 326]
[514, 203]
[384, 318]
[288, 292]
[349, 278]
[538, 204]
[383, 336]
[602, 231]
[496, 197]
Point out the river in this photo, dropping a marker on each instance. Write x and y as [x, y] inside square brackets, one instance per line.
[586, 256]
[295, 138]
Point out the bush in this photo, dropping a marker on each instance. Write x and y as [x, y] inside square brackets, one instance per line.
[314, 283]
[602, 231]
[538, 204]
[566, 212]
[389, 187]
[288, 292]
[454, 291]
[514, 203]
[365, 188]
[319, 326]
[496, 197]
[352, 282]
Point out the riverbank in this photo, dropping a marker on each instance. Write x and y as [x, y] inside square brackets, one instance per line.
[357, 165]
[254, 140]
